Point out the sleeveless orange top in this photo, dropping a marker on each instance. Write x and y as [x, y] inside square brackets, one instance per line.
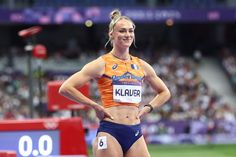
[121, 82]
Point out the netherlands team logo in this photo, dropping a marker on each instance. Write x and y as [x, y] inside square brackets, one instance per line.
[134, 66]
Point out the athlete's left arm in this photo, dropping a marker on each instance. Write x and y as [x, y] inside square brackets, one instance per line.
[162, 92]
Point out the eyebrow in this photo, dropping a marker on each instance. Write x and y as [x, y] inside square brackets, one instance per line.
[126, 28]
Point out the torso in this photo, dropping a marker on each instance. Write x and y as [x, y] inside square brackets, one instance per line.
[121, 71]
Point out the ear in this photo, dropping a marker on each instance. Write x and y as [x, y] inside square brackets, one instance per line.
[110, 35]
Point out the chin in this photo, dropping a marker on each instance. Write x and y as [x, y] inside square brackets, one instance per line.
[127, 44]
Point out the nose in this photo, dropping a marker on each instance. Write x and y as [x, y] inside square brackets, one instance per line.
[127, 34]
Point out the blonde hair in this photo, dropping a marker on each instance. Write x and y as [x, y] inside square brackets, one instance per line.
[116, 16]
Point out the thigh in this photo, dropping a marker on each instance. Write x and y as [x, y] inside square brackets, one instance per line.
[138, 149]
[106, 145]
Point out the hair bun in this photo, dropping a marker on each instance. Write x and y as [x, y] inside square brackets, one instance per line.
[115, 14]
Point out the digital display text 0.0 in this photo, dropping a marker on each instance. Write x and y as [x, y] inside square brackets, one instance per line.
[31, 143]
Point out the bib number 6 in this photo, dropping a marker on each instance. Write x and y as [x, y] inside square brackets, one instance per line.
[102, 142]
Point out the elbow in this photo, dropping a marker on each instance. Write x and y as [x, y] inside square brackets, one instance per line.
[168, 94]
[62, 90]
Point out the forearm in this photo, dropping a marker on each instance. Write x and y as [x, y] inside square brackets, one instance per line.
[160, 99]
[75, 95]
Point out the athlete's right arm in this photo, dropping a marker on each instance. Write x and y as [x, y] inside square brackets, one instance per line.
[92, 70]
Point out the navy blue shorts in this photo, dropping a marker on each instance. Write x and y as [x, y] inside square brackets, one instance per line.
[126, 135]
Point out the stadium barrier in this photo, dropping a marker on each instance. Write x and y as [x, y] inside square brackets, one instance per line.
[44, 137]
[7, 153]
[58, 102]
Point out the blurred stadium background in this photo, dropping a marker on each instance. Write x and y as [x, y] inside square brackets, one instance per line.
[190, 44]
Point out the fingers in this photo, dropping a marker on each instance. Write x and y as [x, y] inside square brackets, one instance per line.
[139, 115]
[108, 115]
[101, 116]
[102, 113]
[142, 113]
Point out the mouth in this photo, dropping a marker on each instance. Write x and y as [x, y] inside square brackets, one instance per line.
[128, 39]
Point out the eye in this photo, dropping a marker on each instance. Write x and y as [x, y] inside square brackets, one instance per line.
[122, 31]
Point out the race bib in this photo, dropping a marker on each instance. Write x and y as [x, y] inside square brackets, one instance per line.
[129, 92]
[102, 142]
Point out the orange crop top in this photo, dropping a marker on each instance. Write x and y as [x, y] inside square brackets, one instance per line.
[121, 82]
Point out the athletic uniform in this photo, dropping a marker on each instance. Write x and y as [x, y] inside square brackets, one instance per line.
[121, 85]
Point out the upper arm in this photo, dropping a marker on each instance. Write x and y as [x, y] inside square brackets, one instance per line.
[91, 70]
[150, 76]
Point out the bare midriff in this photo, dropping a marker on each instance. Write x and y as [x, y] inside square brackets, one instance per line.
[124, 115]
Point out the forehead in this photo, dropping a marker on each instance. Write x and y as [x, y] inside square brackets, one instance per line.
[124, 23]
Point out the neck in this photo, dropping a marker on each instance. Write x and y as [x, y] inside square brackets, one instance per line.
[123, 55]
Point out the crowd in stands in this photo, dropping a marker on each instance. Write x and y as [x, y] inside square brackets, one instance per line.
[14, 95]
[191, 99]
[228, 60]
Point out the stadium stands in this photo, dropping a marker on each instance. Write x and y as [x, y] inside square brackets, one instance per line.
[116, 3]
[228, 60]
[58, 3]
[191, 97]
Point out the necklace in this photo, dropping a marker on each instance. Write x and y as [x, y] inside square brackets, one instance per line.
[124, 59]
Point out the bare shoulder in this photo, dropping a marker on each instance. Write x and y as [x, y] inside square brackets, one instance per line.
[144, 63]
[95, 67]
[99, 63]
[146, 67]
